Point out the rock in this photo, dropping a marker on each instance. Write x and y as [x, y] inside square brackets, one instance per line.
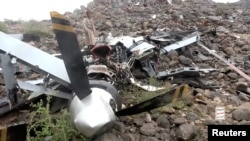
[243, 97]
[148, 118]
[173, 63]
[247, 65]
[107, 137]
[199, 90]
[220, 76]
[168, 110]
[222, 29]
[207, 93]
[132, 129]
[215, 47]
[148, 129]
[185, 132]
[128, 25]
[234, 100]
[139, 121]
[209, 122]
[108, 24]
[143, 138]
[120, 126]
[201, 99]
[145, 25]
[128, 137]
[215, 18]
[164, 58]
[118, 25]
[150, 139]
[165, 137]
[191, 116]
[184, 60]
[242, 86]
[173, 55]
[230, 51]
[163, 122]
[240, 43]
[245, 48]
[242, 112]
[180, 120]
[217, 100]
[229, 108]
[243, 122]
[197, 122]
[124, 118]
[233, 75]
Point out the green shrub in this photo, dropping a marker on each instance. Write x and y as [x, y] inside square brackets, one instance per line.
[37, 28]
[3, 27]
[44, 126]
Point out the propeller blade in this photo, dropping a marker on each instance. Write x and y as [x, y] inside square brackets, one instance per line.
[71, 54]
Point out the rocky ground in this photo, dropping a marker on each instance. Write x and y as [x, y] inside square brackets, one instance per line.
[188, 121]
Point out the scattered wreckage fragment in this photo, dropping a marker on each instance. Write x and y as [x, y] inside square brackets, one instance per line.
[184, 71]
[193, 38]
[225, 61]
[19, 67]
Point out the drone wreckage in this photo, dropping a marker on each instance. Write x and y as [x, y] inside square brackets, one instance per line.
[90, 80]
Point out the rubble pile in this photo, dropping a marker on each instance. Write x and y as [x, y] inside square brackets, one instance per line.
[188, 120]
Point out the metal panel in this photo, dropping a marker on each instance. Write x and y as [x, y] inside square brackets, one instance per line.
[143, 47]
[35, 58]
[9, 78]
[8, 71]
[41, 90]
[180, 44]
[17, 36]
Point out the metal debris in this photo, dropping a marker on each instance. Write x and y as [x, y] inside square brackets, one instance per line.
[225, 61]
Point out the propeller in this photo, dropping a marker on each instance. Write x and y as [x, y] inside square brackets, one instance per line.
[71, 55]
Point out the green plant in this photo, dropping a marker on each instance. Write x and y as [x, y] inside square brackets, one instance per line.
[3, 27]
[44, 126]
[134, 94]
[37, 28]
[182, 102]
